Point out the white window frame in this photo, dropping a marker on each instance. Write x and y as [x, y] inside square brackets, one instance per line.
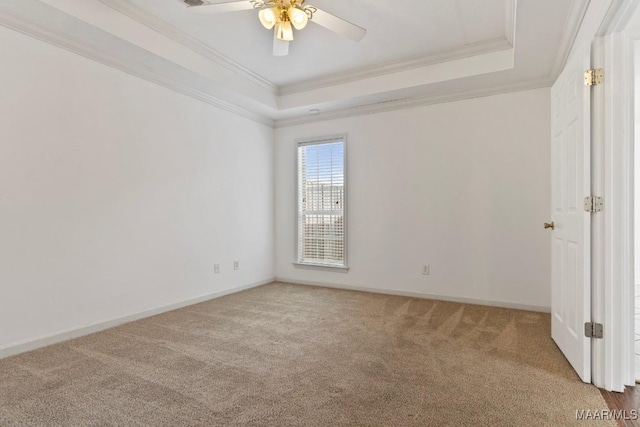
[316, 141]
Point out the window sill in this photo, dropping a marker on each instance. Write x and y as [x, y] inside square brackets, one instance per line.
[323, 267]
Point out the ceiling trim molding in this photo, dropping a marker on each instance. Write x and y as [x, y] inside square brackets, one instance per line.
[68, 43]
[510, 22]
[577, 12]
[480, 48]
[128, 9]
[617, 17]
[476, 49]
[406, 103]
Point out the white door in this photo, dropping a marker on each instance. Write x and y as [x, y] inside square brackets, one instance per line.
[571, 238]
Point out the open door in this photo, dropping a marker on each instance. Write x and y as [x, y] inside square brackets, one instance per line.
[571, 223]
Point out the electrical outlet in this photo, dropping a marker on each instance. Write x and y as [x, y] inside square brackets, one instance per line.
[426, 270]
[216, 268]
[236, 265]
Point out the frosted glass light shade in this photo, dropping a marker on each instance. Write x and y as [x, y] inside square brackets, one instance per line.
[268, 17]
[298, 17]
[284, 31]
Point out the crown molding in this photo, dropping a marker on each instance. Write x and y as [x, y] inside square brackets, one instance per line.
[476, 49]
[84, 49]
[480, 48]
[577, 12]
[616, 17]
[128, 9]
[406, 103]
[510, 21]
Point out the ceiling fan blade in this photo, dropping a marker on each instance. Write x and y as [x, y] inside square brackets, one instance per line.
[227, 6]
[338, 25]
[280, 47]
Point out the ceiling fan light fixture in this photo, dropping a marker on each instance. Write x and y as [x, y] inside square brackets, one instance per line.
[284, 31]
[268, 17]
[298, 17]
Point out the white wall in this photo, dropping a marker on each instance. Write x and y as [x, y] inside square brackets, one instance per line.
[464, 187]
[117, 196]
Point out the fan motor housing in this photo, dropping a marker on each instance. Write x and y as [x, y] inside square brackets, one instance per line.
[194, 2]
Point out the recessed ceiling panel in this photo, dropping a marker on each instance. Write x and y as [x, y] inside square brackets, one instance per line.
[399, 30]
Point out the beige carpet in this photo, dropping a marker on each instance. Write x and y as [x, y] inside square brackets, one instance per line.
[287, 355]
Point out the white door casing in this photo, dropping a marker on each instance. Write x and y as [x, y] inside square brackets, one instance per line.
[571, 238]
[614, 163]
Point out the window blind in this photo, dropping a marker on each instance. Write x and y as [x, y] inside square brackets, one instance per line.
[321, 203]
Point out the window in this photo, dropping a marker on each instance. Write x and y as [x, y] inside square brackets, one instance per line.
[321, 202]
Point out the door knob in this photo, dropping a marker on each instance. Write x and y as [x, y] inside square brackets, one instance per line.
[551, 226]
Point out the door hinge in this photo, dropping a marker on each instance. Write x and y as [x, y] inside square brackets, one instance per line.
[593, 330]
[593, 204]
[594, 77]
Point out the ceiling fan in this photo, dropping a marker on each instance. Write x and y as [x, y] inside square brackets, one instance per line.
[283, 16]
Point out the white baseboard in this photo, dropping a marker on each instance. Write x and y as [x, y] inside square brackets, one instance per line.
[60, 336]
[502, 304]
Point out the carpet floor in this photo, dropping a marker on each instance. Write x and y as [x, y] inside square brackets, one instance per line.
[289, 355]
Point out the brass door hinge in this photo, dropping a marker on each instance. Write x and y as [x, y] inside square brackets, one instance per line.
[594, 77]
[593, 204]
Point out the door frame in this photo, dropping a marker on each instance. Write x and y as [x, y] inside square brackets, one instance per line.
[613, 179]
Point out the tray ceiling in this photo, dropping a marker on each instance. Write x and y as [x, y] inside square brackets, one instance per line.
[396, 31]
[415, 52]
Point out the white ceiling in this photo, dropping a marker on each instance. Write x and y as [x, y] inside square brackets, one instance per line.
[415, 52]
[397, 30]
